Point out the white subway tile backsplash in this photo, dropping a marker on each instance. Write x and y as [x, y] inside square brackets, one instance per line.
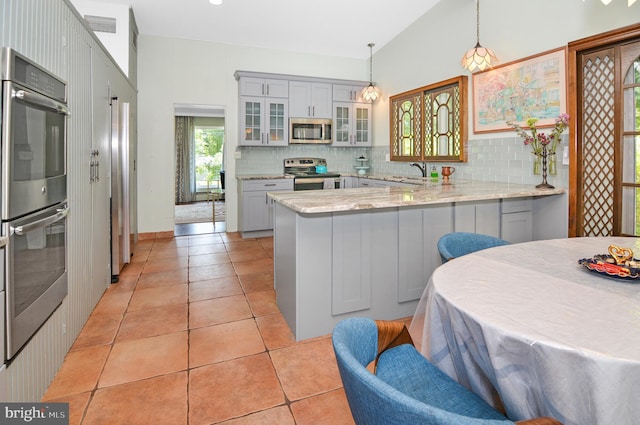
[504, 159]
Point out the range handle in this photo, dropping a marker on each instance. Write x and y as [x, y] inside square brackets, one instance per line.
[59, 215]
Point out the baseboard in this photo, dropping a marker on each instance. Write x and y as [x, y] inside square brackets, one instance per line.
[155, 235]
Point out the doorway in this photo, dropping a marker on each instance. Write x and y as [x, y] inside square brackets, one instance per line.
[199, 173]
[604, 192]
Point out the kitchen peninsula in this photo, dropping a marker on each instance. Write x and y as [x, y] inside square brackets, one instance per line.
[370, 251]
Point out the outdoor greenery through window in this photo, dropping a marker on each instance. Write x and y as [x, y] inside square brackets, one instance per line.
[209, 146]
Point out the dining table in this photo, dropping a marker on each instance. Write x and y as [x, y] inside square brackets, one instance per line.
[534, 331]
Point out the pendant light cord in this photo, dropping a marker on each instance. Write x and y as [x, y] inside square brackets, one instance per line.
[371, 62]
[478, 22]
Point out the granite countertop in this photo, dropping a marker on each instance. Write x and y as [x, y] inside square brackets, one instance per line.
[414, 180]
[423, 192]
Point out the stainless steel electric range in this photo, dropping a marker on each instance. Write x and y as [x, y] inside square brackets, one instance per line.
[311, 174]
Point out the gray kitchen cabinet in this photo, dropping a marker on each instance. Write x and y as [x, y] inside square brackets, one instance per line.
[478, 217]
[321, 256]
[351, 280]
[517, 220]
[264, 121]
[351, 124]
[347, 93]
[310, 99]
[256, 208]
[348, 182]
[250, 86]
[418, 233]
[366, 182]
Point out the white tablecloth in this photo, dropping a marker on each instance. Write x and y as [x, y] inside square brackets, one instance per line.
[553, 338]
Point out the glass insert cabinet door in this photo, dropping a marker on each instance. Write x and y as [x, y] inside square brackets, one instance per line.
[351, 124]
[342, 124]
[264, 121]
[430, 123]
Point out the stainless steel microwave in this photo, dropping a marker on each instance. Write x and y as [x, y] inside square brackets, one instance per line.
[309, 130]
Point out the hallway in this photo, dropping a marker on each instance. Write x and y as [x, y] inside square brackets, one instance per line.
[192, 335]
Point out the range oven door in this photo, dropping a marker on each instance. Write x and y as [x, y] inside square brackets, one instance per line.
[316, 183]
[35, 272]
[33, 150]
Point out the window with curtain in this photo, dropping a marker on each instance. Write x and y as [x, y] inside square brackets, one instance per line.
[185, 189]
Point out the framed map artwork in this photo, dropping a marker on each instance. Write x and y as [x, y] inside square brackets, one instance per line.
[534, 87]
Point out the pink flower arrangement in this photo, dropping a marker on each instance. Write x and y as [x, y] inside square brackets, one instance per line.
[539, 140]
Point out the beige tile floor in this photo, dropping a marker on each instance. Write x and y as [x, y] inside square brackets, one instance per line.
[192, 335]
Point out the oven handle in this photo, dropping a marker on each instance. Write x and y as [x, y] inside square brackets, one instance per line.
[59, 215]
[40, 100]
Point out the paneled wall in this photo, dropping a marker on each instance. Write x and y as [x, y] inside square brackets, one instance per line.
[51, 33]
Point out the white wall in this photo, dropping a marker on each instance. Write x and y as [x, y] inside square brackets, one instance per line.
[117, 44]
[180, 71]
[430, 50]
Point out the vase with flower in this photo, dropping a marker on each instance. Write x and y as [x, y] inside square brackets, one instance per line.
[543, 146]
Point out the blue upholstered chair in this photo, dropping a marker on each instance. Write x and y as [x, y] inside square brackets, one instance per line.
[457, 244]
[406, 388]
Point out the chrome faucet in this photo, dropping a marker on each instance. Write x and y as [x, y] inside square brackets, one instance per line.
[423, 168]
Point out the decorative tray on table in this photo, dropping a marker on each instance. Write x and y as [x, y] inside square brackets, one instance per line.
[619, 263]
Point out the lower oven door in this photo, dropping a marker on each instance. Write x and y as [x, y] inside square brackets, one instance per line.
[316, 183]
[35, 271]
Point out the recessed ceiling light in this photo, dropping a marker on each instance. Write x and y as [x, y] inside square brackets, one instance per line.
[215, 2]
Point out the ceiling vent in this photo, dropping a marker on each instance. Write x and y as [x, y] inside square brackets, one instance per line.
[101, 23]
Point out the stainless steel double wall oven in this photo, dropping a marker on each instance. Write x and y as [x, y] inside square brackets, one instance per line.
[33, 195]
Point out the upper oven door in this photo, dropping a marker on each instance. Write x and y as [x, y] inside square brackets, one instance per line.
[33, 151]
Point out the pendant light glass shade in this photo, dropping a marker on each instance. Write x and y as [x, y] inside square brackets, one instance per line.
[479, 58]
[371, 92]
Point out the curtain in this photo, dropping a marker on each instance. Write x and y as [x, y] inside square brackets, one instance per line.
[185, 160]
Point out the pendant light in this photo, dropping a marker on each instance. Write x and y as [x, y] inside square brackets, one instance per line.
[371, 92]
[479, 58]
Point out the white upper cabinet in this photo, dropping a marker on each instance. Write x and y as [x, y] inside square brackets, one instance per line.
[310, 100]
[347, 93]
[267, 101]
[264, 121]
[264, 111]
[351, 124]
[250, 86]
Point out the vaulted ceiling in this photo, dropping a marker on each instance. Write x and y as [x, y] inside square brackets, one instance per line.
[328, 27]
